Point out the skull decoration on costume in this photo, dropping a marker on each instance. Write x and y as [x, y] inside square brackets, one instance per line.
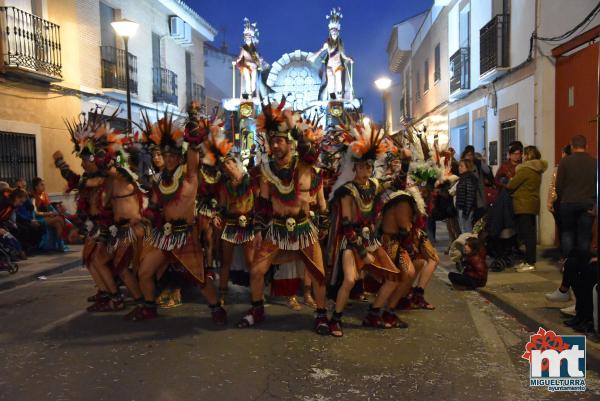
[113, 231]
[168, 229]
[243, 221]
[290, 224]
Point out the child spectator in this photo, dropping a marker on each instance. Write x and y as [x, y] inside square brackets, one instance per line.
[466, 195]
[10, 199]
[475, 268]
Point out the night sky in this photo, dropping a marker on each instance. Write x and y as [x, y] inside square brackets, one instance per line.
[289, 25]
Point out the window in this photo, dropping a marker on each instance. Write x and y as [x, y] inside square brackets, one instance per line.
[426, 76]
[107, 33]
[437, 74]
[464, 27]
[18, 157]
[508, 134]
[418, 93]
[155, 50]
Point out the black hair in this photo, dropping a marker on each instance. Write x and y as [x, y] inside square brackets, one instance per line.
[35, 182]
[515, 146]
[17, 193]
[567, 149]
[474, 244]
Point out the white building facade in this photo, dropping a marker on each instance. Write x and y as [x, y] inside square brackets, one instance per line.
[502, 84]
[66, 58]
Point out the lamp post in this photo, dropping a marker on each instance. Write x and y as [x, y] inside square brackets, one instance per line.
[384, 84]
[126, 29]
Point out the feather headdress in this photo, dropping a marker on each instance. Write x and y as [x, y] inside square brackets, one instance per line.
[164, 133]
[251, 30]
[365, 140]
[93, 137]
[216, 147]
[335, 18]
[309, 135]
[275, 121]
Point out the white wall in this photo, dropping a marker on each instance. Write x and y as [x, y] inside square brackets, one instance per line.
[481, 14]
[453, 30]
[522, 25]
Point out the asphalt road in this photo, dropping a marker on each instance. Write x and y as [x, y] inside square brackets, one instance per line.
[466, 349]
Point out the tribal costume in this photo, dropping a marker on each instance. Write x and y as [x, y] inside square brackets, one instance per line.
[358, 234]
[126, 237]
[287, 236]
[176, 237]
[237, 211]
[352, 244]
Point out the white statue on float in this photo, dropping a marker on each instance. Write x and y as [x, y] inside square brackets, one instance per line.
[249, 61]
[333, 57]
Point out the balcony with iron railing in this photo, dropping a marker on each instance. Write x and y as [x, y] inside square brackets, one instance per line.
[164, 85]
[196, 92]
[113, 69]
[30, 44]
[459, 73]
[494, 48]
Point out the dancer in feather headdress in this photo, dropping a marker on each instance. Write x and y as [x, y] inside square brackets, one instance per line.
[282, 223]
[234, 215]
[100, 150]
[174, 236]
[352, 244]
[405, 241]
[210, 175]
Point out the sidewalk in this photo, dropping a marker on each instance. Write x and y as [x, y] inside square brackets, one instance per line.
[522, 294]
[41, 265]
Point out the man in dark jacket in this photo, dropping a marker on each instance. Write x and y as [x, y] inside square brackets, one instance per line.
[576, 188]
[585, 271]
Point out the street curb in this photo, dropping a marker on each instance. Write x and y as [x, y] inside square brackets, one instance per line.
[593, 361]
[7, 285]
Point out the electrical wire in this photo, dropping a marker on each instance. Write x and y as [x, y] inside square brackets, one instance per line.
[581, 25]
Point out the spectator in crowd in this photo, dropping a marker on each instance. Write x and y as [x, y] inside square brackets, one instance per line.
[451, 154]
[525, 191]
[466, 195]
[553, 204]
[507, 170]
[485, 178]
[10, 199]
[475, 269]
[585, 275]
[47, 215]
[575, 189]
[29, 230]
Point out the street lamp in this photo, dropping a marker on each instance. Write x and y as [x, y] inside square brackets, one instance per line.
[126, 29]
[384, 84]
